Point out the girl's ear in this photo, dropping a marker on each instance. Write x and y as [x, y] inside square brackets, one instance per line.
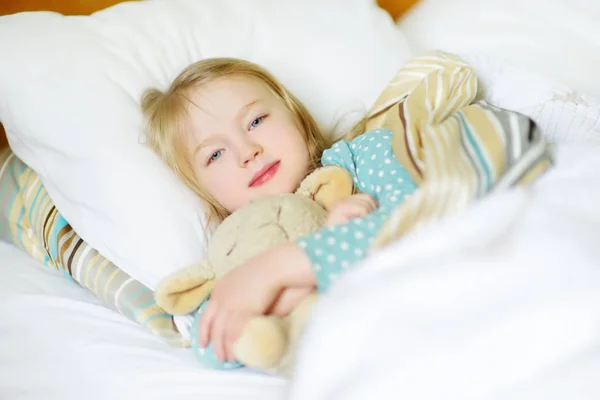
[184, 291]
[327, 185]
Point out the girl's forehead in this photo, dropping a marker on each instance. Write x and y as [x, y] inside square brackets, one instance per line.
[225, 101]
[228, 97]
[236, 86]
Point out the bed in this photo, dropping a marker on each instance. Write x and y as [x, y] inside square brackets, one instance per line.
[80, 348]
[527, 326]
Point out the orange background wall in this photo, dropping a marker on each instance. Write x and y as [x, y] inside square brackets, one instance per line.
[71, 7]
[84, 7]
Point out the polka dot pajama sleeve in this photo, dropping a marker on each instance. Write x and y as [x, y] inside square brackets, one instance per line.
[334, 249]
[375, 171]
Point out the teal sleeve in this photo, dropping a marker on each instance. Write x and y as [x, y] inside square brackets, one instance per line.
[335, 249]
[341, 154]
[369, 159]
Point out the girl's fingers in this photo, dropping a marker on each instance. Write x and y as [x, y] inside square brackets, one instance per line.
[289, 300]
[356, 206]
[369, 201]
[229, 351]
[357, 209]
[217, 335]
[205, 323]
[235, 325]
[374, 204]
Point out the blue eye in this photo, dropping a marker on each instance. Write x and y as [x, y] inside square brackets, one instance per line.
[256, 122]
[215, 156]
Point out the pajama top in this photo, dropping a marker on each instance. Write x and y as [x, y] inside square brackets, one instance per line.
[376, 171]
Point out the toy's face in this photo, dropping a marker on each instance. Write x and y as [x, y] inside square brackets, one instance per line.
[260, 225]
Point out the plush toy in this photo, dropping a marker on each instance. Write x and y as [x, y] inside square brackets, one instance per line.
[266, 342]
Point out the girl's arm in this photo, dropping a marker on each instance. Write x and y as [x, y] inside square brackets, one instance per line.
[256, 286]
[249, 290]
[335, 249]
[291, 266]
[289, 299]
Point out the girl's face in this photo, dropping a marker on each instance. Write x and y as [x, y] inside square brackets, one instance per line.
[243, 142]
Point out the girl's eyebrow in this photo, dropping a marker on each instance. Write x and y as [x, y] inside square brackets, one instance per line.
[243, 110]
[198, 148]
[203, 143]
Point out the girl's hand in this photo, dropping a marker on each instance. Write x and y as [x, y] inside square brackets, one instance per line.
[242, 293]
[249, 290]
[289, 299]
[355, 206]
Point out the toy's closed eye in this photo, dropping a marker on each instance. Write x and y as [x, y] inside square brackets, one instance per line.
[231, 249]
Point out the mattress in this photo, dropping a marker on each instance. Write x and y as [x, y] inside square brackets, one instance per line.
[57, 341]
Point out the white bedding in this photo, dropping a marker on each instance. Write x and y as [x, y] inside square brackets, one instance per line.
[501, 302]
[58, 342]
[559, 38]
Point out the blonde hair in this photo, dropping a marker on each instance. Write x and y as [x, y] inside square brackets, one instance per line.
[166, 113]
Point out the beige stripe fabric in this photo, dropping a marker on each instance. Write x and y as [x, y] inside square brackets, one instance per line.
[29, 219]
[455, 149]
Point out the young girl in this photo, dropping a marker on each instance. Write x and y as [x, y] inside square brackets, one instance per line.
[233, 133]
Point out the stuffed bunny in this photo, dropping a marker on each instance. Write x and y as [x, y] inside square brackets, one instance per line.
[266, 342]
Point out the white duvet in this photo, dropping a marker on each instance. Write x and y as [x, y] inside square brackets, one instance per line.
[499, 302]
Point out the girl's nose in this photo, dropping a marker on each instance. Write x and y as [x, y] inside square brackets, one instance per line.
[249, 153]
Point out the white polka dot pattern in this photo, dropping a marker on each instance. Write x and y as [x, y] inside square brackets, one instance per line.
[335, 249]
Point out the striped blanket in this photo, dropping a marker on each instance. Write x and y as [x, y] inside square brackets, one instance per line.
[29, 219]
[455, 149]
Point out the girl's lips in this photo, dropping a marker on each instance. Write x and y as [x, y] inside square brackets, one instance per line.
[265, 174]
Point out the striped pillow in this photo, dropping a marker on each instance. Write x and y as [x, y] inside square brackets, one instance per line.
[30, 220]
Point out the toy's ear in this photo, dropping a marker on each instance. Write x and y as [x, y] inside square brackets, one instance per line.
[185, 290]
[326, 185]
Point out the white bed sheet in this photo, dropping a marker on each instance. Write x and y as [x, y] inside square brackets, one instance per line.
[499, 302]
[58, 342]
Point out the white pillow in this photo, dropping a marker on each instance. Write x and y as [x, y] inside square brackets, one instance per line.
[558, 38]
[70, 90]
